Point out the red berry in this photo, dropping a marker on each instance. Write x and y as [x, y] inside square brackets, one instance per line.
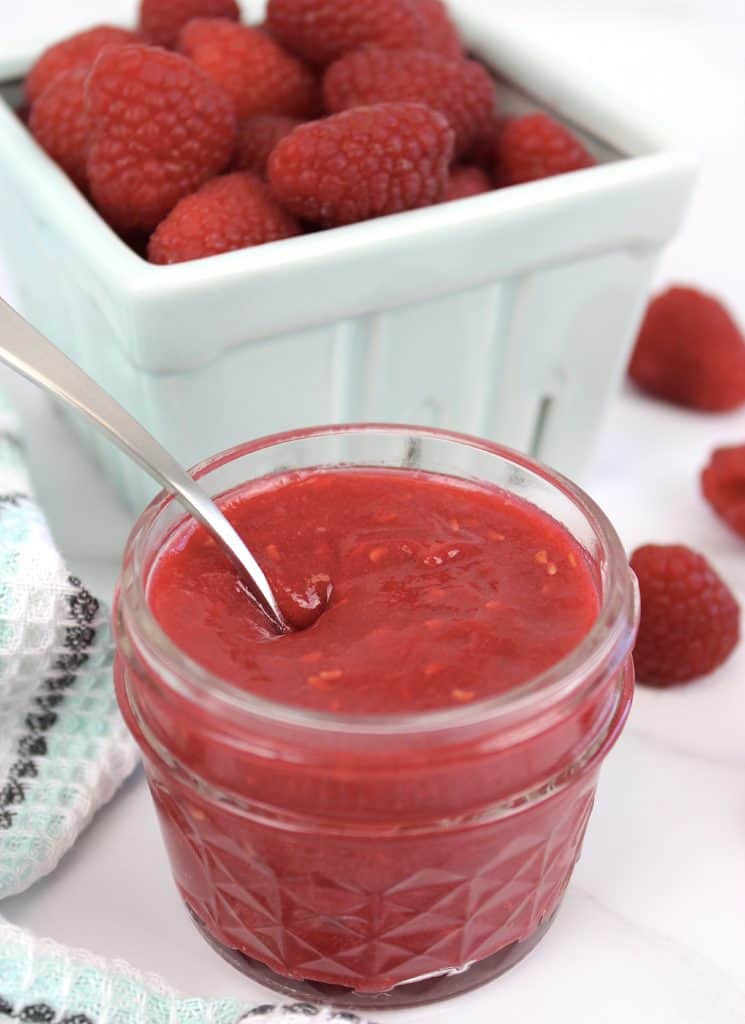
[363, 163]
[231, 212]
[263, 26]
[467, 181]
[162, 20]
[533, 147]
[322, 30]
[258, 136]
[690, 352]
[690, 620]
[441, 33]
[482, 151]
[59, 123]
[723, 484]
[462, 90]
[159, 129]
[251, 68]
[78, 51]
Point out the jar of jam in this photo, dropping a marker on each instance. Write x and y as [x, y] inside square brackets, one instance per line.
[383, 808]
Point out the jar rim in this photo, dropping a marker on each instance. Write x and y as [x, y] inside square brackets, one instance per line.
[605, 646]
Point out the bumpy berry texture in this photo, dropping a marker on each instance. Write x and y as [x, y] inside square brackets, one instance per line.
[59, 123]
[162, 20]
[690, 620]
[77, 52]
[723, 484]
[231, 212]
[258, 137]
[363, 163]
[535, 146]
[441, 33]
[466, 181]
[322, 30]
[462, 90]
[690, 352]
[159, 128]
[259, 76]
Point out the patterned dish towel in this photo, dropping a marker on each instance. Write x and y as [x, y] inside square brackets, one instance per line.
[64, 750]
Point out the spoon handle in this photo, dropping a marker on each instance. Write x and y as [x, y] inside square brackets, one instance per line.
[29, 353]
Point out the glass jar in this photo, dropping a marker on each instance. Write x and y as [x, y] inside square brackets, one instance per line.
[380, 860]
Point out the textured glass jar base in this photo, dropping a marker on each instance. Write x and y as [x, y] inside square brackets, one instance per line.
[418, 993]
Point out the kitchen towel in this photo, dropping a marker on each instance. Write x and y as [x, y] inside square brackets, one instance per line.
[64, 749]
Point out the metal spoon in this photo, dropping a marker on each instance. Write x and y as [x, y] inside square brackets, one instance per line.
[27, 351]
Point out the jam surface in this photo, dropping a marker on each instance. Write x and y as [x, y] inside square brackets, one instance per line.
[432, 592]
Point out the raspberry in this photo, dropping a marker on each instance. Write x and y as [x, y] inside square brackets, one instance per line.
[466, 181]
[533, 147]
[250, 67]
[59, 123]
[723, 484]
[690, 352]
[231, 212]
[441, 33]
[690, 620]
[482, 151]
[162, 20]
[462, 90]
[258, 137]
[78, 51]
[363, 163]
[322, 30]
[159, 129]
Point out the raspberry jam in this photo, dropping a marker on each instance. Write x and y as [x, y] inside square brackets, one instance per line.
[383, 808]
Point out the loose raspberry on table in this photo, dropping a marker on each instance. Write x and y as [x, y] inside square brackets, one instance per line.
[76, 52]
[535, 146]
[460, 89]
[259, 76]
[441, 33]
[59, 123]
[162, 20]
[690, 352]
[723, 484]
[467, 181]
[258, 137]
[363, 163]
[322, 30]
[690, 620]
[230, 212]
[159, 128]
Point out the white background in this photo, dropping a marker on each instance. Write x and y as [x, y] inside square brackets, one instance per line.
[653, 926]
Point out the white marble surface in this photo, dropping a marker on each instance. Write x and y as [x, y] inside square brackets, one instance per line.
[653, 927]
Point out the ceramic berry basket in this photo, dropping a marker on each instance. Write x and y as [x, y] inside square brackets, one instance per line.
[508, 315]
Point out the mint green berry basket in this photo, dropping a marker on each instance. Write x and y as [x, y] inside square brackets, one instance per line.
[508, 315]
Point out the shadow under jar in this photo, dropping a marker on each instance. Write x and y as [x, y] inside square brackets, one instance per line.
[379, 859]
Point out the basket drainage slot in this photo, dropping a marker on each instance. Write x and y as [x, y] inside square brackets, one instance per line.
[541, 422]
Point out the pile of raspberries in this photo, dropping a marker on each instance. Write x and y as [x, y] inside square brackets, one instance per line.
[195, 134]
